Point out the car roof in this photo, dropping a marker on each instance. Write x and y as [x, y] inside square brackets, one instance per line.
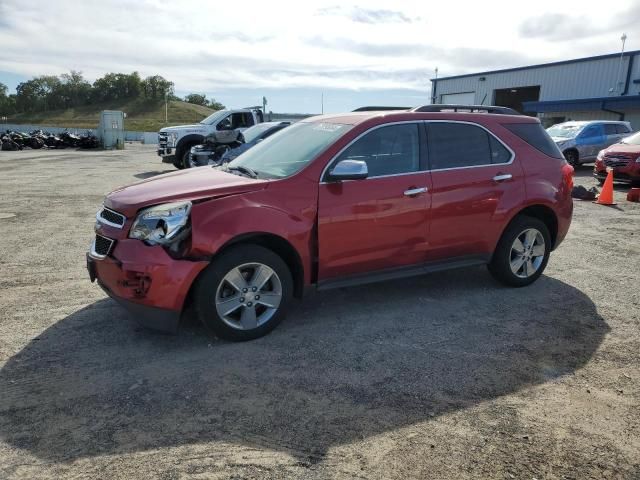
[581, 123]
[387, 116]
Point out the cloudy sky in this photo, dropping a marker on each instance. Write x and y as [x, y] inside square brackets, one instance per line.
[356, 53]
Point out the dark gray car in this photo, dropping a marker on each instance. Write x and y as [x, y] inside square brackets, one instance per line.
[580, 142]
[217, 154]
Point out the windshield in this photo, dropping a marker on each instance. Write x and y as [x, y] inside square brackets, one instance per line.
[564, 131]
[632, 140]
[215, 117]
[289, 150]
[250, 134]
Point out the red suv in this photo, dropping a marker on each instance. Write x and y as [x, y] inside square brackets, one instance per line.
[623, 158]
[333, 201]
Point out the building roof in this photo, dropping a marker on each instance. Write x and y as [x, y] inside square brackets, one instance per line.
[550, 64]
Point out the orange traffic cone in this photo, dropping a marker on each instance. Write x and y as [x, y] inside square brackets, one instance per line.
[606, 195]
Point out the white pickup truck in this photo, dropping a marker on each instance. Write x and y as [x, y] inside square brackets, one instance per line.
[174, 143]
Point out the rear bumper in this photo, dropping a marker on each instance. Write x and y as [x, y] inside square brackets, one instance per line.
[150, 284]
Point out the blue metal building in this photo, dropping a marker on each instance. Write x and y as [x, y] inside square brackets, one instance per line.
[605, 87]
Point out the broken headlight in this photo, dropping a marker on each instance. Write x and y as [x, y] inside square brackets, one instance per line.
[162, 224]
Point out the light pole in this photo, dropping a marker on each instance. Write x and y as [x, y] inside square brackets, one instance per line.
[434, 87]
[619, 76]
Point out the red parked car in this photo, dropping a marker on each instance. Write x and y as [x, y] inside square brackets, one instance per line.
[623, 158]
[333, 201]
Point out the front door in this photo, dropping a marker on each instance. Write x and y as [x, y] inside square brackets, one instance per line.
[475, 181]
[590, 141]
[382, 221]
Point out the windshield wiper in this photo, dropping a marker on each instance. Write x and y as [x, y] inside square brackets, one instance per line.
[245, 170]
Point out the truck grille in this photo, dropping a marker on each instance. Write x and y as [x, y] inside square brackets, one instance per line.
[162, 139]
[112, 218]
[102, 246]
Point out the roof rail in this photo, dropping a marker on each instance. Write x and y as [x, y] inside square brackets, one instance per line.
[466, 108]
[374, 108]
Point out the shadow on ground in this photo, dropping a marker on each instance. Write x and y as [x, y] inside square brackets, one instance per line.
[345, 365]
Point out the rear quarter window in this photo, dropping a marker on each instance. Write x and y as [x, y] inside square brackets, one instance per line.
[536, 136]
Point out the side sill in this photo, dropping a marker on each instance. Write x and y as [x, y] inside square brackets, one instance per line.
[404, 272]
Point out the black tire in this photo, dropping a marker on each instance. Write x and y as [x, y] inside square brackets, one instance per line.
[500, 265]
[212, 280]
[182, 158]
[572, 158]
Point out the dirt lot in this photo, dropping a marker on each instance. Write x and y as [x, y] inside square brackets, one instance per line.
[444, 376]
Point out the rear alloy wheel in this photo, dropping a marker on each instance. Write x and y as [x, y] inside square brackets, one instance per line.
[571, 156]
[522, 253]
[243, 294]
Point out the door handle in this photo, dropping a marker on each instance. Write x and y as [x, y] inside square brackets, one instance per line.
[414, 191]
[502, 177]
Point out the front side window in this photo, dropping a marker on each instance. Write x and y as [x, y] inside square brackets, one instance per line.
[592, 131]
[387, 150]
[610, 129]
[458, 145]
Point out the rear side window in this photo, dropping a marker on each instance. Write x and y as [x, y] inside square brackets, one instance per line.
[387, 150]
[610, 129]
[622, 128]
[458, 145]
[536, 136]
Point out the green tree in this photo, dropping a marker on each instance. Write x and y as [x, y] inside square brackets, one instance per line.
[157, 87]
[74, 89]
[215, 105]
[196, 99]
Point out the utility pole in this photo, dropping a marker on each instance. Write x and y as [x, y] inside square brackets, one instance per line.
[322, 103]
[166, 108]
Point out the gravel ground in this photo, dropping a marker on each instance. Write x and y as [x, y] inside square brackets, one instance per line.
[444, 376]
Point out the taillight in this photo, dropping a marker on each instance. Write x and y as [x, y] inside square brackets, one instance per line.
[567, 175]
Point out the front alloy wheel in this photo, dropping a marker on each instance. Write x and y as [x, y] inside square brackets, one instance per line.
[243, 293]
[248, 296]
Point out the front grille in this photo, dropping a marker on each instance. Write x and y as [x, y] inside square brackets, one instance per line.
[111, 217]
[615, 159]
[102, 246]
[162, 139]
[613, 162]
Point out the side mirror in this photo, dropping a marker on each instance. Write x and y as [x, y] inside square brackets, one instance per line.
[349, 170]
[224, 124]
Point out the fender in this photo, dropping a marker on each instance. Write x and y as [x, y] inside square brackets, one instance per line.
[222, 220]
[188, 139]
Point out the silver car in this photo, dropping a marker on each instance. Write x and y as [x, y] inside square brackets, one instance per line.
[580, 142]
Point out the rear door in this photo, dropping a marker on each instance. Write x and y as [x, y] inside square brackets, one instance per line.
[475, 180]
[382, 221]
[611, 134]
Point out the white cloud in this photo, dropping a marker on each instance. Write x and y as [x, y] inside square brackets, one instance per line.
[204, 45]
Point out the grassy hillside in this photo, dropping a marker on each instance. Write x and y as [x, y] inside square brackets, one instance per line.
[141, 116]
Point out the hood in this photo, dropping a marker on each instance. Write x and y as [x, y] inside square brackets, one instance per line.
[190, 184]
[179, 128]
[631, 150]
[562, 139]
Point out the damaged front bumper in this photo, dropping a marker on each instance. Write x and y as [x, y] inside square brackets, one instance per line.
[144, 279]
